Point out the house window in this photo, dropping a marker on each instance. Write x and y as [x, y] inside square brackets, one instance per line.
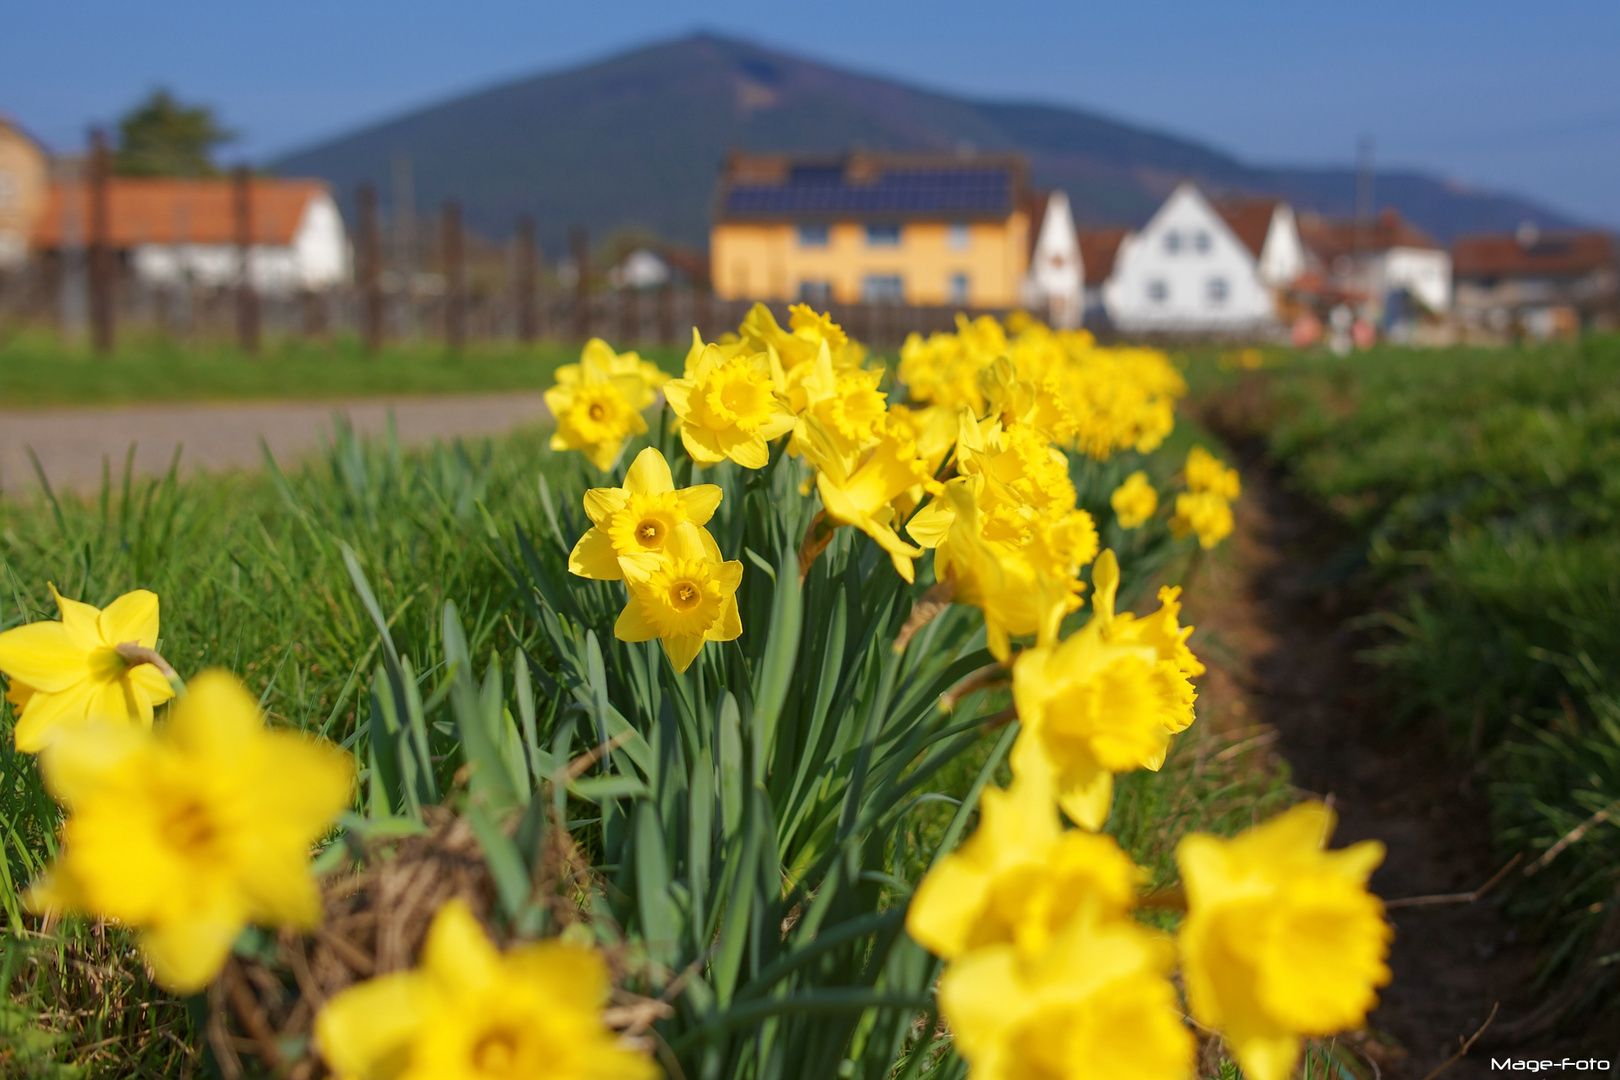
[878, 235]
[1172, 242]
[1201, 241]
[1158, 291]
[814, 235]
[958, 236]
[818, 294]
[883, 289]
[958, 288]
[1215, 289]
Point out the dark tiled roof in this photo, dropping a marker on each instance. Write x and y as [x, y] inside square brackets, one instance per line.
[1098, 247]
[1330, 239]
[1250, 219]
[894, 189]
[1548, 255]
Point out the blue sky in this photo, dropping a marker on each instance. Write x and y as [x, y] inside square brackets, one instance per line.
[1516, 97]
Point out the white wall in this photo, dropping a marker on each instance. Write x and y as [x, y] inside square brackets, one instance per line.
[1424, 272]
[321, 245]
[1186, 271]
[1056, 279]
[1282, 256]
[317, 258]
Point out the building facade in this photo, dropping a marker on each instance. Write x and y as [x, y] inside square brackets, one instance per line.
[1187, 272]
[22, 192]
[1541, 284]
[1379, 258]
[175, 231]
[1055, 286]
[872, 228]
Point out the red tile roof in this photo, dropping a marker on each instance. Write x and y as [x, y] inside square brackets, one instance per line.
[1250, 219]
[1330, 239]
[1567, 254]
[1097, 250]
[167, 211]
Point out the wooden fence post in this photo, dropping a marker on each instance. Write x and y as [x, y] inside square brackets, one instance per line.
[101, 254]
[455, 277]
[666, 314]
[247, 297]
[527, 324]
[369, 260]
[579, 243]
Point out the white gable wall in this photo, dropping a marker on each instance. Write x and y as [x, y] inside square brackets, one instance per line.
[1423, 272]
[320, 245]
[317, 258]
[1056, 277]
[1282, 256]
[1186, 271]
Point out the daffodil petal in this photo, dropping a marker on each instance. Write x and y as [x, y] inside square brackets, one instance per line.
[48, 714]
[217, 717]
[187, 953]
[82, 757]
[45, 655]
[649, 474]
[595, 557]
[458, 955]
[633, 624]
[366, 1030]
[683, 650]
[131, 617]
[700, 501]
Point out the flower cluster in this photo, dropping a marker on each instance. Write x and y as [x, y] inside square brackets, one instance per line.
[1050, 975]
[1205, 508]
[597, 402]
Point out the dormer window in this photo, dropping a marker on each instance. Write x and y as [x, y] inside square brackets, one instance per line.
[1201, 241]
[1172, 242]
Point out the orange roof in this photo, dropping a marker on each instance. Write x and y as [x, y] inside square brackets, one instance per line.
[1097, 250]
[1330, 239]
[1250, 219]
[166, 210]
[1566, 254]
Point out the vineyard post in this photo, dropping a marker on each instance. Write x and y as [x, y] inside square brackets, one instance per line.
[579, 242]
[455, 277]
[369, 269]
[101, 256]
[247, 299]
[524, 284]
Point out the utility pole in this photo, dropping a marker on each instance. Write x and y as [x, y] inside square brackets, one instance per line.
[524, 281]
[247, 298]
[1364, 212]
[101, 256]
[455, 278]
[369, 269]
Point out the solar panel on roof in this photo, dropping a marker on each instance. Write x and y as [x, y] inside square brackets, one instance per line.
[911, 191]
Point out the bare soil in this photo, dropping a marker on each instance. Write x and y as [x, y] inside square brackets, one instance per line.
[1277, 617]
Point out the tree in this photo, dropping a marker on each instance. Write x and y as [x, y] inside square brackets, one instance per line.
[163, 137]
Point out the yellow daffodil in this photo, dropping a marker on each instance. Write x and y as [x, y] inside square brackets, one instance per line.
[636, 522]
[1096, 1003]
[1205, 472]
[1205, 514]
[469, 1012]
[847, 404]
[65, 673]
[862, 493]
[1282, 940]
[994, 575]
[1134, 501]
[684, 599]
[798, 345]
[189, 833]
[1096, 705]
[597, 402]
[728, 406]
[1019, 879]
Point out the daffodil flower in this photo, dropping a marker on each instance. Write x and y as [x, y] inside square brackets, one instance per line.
[66, 673]
[637, 522]
[469, 1012]
[862, 493]
[1095, 705]
[1205, 514]
[597, 402]
[1204, 472]
[1282, 940]
[192, 832]
[1134, 501]
[1097, 1002]
[728, 407]
[1020, 879]
[683, 599]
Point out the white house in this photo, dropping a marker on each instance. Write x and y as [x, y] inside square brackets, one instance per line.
[174, 231]
[1380, 257]
[1056, 279]
[1188, 271]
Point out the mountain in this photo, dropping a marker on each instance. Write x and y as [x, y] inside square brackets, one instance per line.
[635, 142]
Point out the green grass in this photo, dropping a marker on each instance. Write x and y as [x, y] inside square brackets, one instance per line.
[1485, 485]
[41, 369]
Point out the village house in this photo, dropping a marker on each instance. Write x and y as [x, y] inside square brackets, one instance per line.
[22, 192]
[1055, 285]
[1543, 284]
[1379, 259]
[1192, 269]
[168, 232]
[872, 228]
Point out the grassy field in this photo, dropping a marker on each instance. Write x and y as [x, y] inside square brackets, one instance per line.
[40, 369]
[1485, 485]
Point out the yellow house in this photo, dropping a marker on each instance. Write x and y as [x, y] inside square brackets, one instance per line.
[22, 192]
[872, 228]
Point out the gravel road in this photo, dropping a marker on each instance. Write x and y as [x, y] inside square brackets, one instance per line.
[72, 443]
